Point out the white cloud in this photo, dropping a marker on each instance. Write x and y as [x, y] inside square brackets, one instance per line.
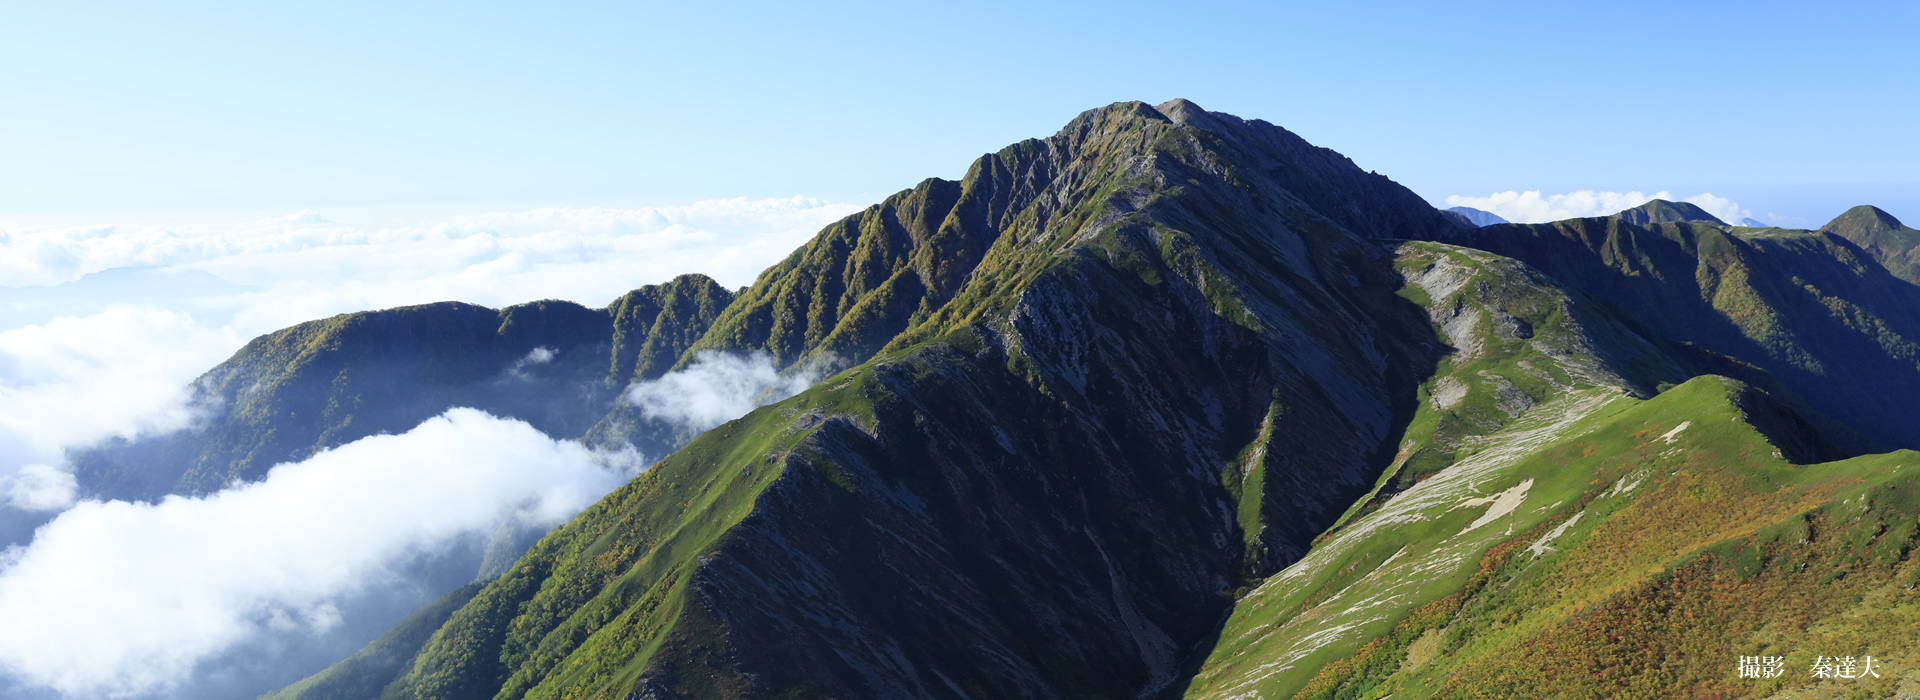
[39, 487]
[718, 387]
[74, 381]
[309, 266]
[1532, 207]
[1720, 207]
[117, 599]
[98, 369]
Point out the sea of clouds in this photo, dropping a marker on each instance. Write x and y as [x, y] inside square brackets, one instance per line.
[1532, 207]
[103, 326]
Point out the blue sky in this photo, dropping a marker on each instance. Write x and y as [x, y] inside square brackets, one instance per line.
[112, 108]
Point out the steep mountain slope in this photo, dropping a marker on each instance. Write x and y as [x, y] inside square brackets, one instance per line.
[1813, 312]
[289, 394]
[1094, 393]
[1607, 548]
[1893, 244]
[1168, 371]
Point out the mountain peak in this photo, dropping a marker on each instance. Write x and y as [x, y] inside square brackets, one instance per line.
[1865, 219]
[1182, 110]
[1478, 217]
[1883, 237]
[1660, 211]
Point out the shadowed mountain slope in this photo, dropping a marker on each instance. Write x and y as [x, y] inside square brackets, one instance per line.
[289, 394]
[1895, 245]
[1660, 211]
[1810, 309]
[1166, 372]
[1169, 368]
[1180, 355]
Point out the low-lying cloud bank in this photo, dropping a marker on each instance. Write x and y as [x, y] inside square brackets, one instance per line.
[110, 355]
[224, 595]
[1532, 207]
[74, 381]
[719, 387]
[126, 599]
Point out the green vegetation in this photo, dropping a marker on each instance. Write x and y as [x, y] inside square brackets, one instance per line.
[590, 605]
[364, 674]
[1660, 211]
[1656, 542]
[1890, 243]
[321, 384]
[1797, 310]
[1169, 367]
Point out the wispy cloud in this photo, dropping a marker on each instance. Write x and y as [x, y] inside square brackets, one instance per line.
[118, 598]
[1532, 207]
[718, 387]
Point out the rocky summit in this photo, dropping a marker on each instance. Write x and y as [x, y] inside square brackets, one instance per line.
[1170, 403]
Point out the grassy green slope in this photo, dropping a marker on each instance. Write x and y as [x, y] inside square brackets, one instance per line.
[604, 591]
[1606, 548]
[1048, 468]
[364, 674]
[1827, 323]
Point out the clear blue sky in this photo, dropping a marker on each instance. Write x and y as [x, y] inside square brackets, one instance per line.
[1793, 107]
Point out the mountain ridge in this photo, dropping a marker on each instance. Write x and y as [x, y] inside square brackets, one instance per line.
[1123, 383]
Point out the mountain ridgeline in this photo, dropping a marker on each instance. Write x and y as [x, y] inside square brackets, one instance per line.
[557, 365]
[1169, 403]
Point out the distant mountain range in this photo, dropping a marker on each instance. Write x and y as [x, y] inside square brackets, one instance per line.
[1477, 217]
[1170, 403]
